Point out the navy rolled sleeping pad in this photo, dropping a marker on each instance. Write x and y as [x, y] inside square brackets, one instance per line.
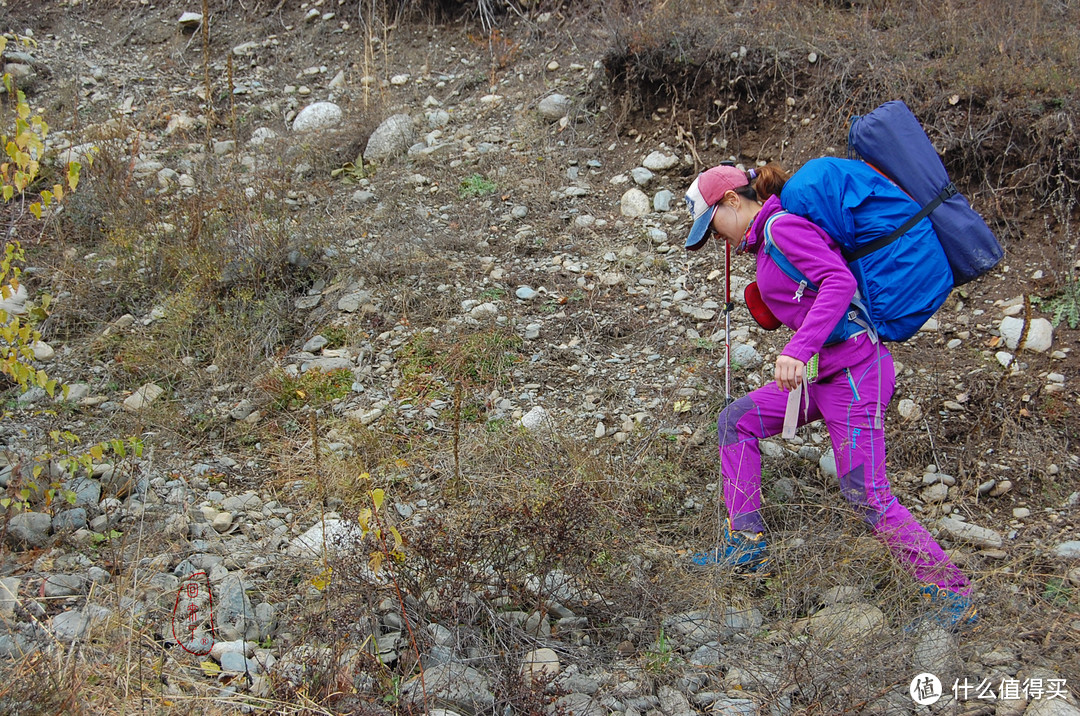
[892, 140]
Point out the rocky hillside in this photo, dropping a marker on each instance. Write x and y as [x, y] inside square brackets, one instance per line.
[403, 389]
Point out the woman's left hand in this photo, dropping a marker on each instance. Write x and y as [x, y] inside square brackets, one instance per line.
[789, 372]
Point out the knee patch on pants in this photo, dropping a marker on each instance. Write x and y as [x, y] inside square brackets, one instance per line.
[727, 423]
[853, 487]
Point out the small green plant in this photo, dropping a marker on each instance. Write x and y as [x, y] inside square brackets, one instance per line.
[97, 539]
[476, 185]
[704, 344]
[24, 150]
[351, 172]
[17, 333]
[313, 388]
[492, 294]
[1064, 306]
[1059, 593]
[72, 462]
[336, 336]
[431, 364]
[660, 656]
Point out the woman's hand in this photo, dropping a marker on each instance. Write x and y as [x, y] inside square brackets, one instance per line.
[789, 372]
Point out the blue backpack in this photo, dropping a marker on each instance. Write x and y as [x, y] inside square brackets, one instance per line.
[907, 247]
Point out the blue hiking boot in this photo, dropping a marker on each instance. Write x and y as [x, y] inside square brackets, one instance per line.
[953, 611]
[741, 552]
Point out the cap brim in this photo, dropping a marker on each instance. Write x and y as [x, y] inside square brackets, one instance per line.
[699, 232]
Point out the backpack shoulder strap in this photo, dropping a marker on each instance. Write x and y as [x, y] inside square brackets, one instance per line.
[773, 251]
[855, 320]
[945, 194]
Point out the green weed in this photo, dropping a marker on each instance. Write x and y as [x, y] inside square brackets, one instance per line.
[476, 185]
[336, 336]
[660, 656]
[313, 388]
[1064, 306]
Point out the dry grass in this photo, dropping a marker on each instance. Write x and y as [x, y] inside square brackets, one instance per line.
[985, 91]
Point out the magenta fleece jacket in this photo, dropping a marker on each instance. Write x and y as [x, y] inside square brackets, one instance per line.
[813, 315]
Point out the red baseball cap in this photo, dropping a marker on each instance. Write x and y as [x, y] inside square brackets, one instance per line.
[703, 196]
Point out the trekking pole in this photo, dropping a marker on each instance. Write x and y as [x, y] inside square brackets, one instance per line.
[728, 307]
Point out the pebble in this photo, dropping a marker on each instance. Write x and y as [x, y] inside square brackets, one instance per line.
[909, 410]
[554, 106]
[222, 521]
[1068, 550]
[63, 585]
[540, 664]
[635, 203]
[318, 116]
[966, 532]
[190, 20]
[1040, 334]
[937, 492]
[660, 161]
[9, 596]
[526, 293]
[29, 529]
[535, 419]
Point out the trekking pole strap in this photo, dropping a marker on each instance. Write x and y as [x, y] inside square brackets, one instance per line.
[946, 193]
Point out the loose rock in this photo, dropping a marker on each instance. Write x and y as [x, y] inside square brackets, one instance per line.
[318, 116]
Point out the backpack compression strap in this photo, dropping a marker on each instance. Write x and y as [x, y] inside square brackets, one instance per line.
[949, 191]
[855, 320]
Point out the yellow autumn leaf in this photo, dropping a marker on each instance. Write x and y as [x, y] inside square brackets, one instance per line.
[210, 668]
[377, 497]
[398, 542]
[322, 580]
[682, 406]
[376, 562]
[73, 175]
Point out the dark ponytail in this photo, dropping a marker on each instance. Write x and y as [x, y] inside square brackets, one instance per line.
[764, 181]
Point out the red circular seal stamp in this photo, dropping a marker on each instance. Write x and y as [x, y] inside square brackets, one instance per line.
[193, 615]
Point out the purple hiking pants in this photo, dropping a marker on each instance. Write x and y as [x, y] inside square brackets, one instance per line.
[847, 400]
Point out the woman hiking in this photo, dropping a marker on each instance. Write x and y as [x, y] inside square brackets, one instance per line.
[849, 383]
